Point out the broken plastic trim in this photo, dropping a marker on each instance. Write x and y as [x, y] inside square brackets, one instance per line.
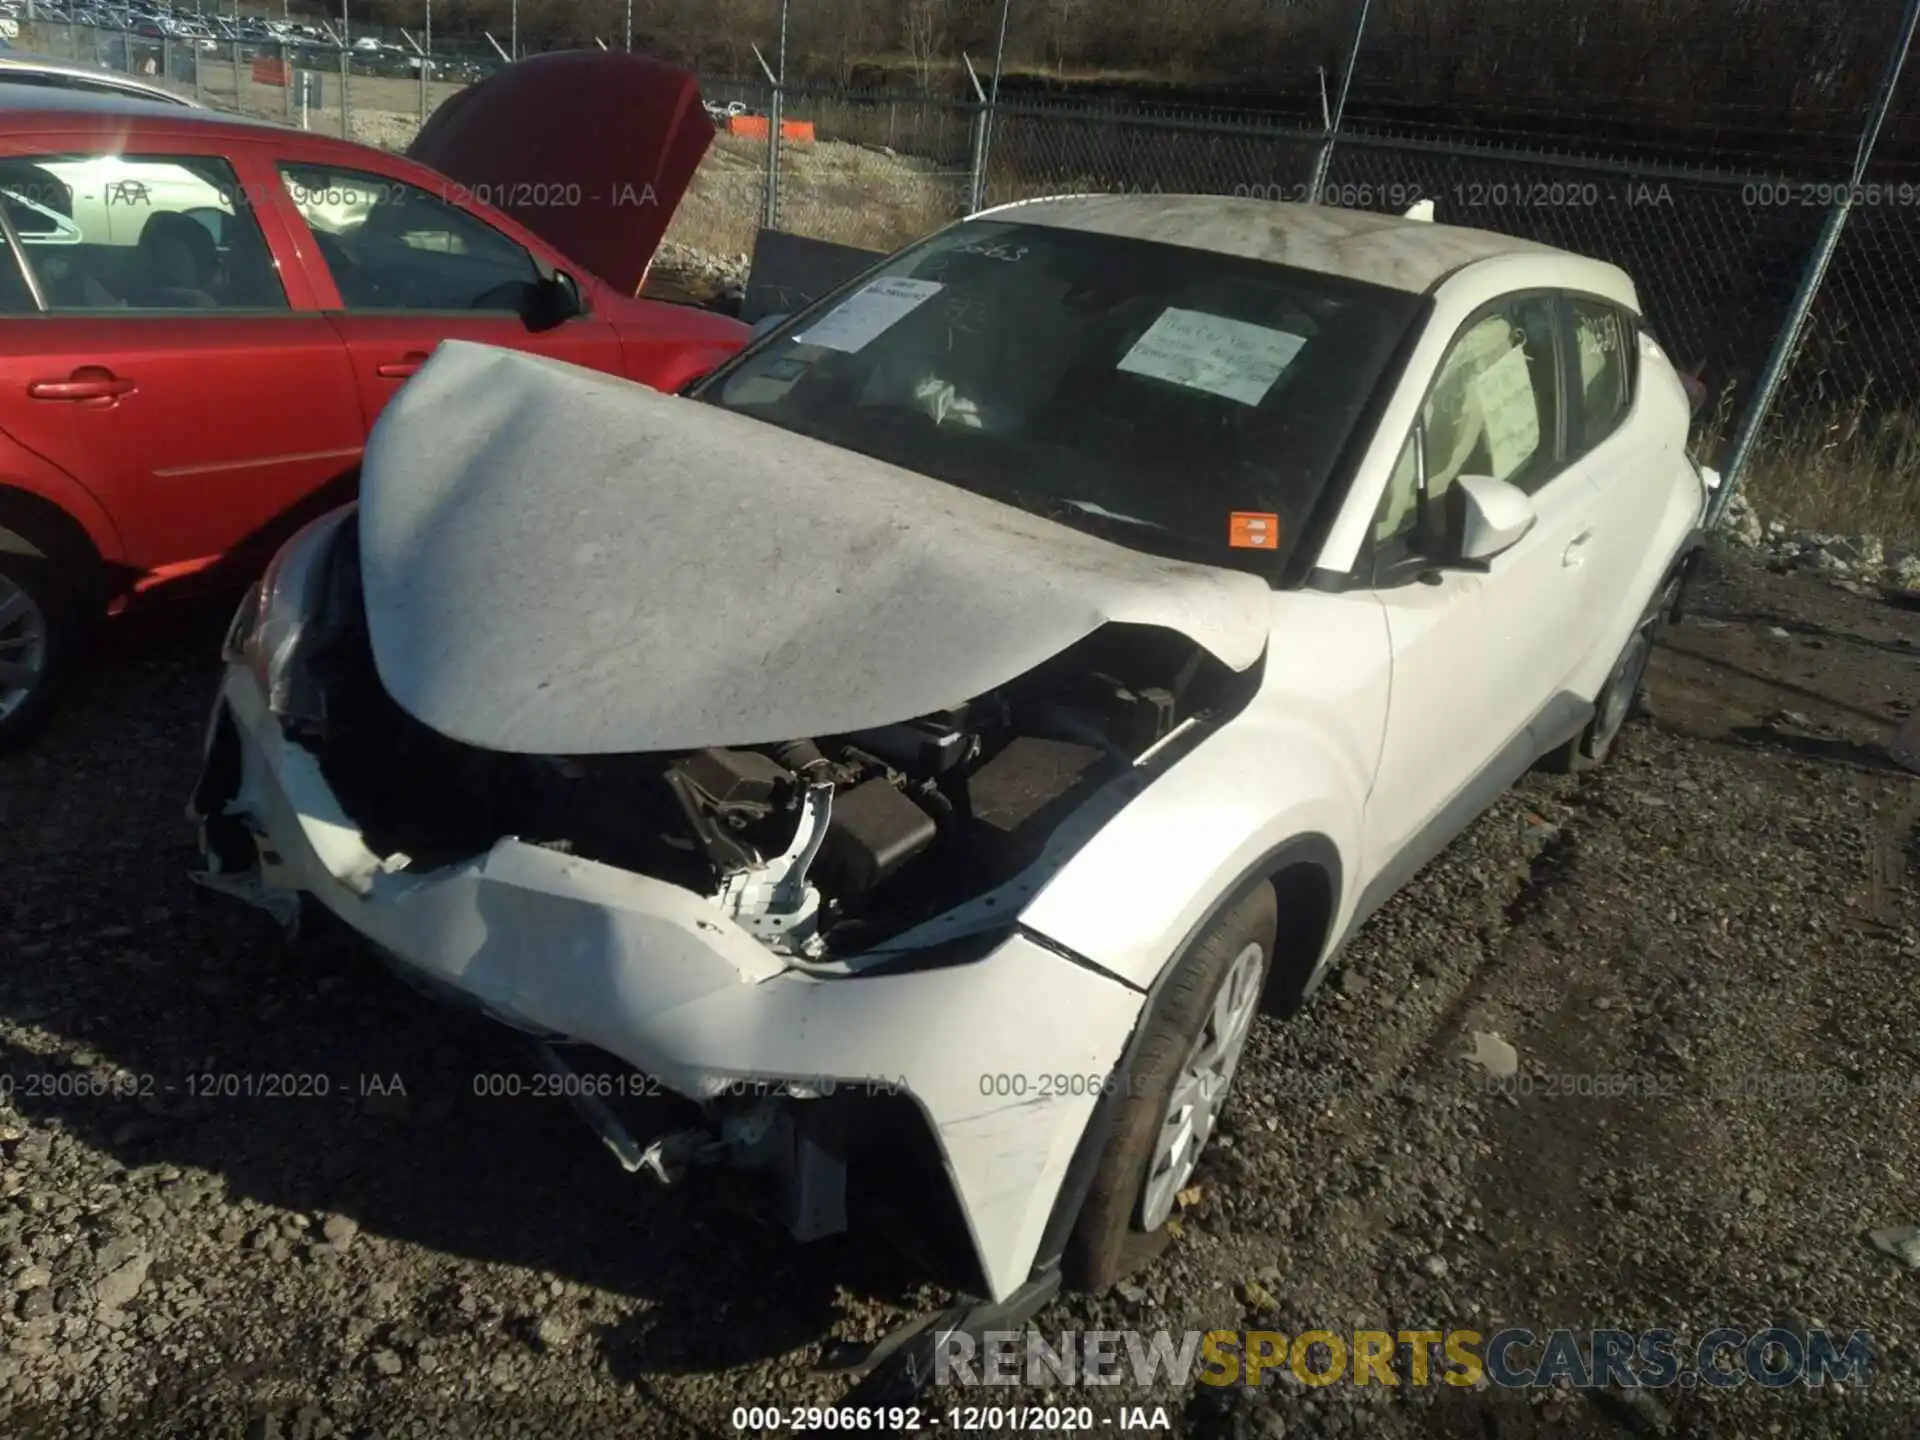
[772, 901]
[768, 1136]
[898, 1367]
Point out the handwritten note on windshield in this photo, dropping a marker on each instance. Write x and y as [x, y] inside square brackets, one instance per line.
[855, 322]
[1510, 411]
[1229, 358]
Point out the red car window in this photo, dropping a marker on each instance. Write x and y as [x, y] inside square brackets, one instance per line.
[394, 246]
[105, 231]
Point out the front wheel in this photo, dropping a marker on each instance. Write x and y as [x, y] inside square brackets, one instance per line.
[1193, 1039]
[39, 641]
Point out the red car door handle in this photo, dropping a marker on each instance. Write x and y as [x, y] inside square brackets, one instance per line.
[89, 382]
[403, 367]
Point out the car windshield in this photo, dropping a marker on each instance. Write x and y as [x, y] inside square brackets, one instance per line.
[1180, 401]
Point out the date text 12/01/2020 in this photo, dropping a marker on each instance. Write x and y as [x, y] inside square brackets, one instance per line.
[955, 1419]
[1463, 196]
[634, 1085]
[196, 1085]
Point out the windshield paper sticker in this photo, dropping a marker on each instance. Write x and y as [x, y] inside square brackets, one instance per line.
[1229, 358]
[1510, 412]
[855, 322]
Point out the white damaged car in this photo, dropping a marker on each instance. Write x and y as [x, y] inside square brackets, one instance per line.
[928, 745]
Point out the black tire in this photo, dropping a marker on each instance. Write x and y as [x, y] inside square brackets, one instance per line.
[59, 617]
[1109, 1241]
[1619, 699]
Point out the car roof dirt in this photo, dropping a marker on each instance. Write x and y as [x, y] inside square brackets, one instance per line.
[1390, 250]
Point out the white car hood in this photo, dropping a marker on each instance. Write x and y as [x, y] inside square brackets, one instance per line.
[558, 562]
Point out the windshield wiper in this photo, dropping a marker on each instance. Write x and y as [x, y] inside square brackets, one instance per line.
[1090, 515]
[1089, 507]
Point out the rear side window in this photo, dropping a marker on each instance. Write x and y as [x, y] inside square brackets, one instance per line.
[1601, 372]
[105, 231]
[1491, 408]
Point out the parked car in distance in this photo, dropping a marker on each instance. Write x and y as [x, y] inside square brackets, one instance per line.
[214, 311]
[928, 745]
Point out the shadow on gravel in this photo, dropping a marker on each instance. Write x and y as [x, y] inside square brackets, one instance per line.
[1815, 747]
[1697, 653]
[160, 1025]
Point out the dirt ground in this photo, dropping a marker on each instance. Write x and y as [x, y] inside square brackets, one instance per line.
[1727, 913]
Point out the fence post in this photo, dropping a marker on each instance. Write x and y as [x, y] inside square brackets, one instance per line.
[1787, 343]
[770, 214]
[771, 219]
[346, 114]
[290, 74]
[992, 111]
[426, 68]
[1323, 162]
[776, 135]
[977, 162]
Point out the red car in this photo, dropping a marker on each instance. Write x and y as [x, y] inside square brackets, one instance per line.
[206, 315]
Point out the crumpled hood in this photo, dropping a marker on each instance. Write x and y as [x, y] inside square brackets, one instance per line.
[557, 562]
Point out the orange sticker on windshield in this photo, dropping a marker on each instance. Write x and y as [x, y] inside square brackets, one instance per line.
[1250, 530]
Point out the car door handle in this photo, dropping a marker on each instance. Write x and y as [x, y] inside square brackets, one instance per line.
[89, 382]
[1573, 557]
[403, 367]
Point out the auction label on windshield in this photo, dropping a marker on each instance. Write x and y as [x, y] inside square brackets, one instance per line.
[1228, 358]
[858, 320]
[1253, 530]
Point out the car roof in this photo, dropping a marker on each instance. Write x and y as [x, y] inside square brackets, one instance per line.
[15, 61]
[45, 107]
[1390, 250]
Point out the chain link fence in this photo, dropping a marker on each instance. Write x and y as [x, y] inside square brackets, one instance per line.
[1840, 447]
[378, 97]
[874, 170]
[1720, 256]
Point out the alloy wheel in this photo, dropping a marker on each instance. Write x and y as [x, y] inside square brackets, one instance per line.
[1200, 1090]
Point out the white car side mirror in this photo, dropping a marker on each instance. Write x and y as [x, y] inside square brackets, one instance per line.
[1496, 515]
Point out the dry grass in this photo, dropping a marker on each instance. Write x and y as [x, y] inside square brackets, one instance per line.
[1851, 468]
[829, 190]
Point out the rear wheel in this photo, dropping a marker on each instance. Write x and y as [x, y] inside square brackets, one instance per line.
[39, 641]
[1619, 698]
[1191, 1048]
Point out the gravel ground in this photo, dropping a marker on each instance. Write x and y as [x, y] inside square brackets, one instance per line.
[1726, 914]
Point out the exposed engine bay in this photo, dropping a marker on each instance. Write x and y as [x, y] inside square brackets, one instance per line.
[820, 845]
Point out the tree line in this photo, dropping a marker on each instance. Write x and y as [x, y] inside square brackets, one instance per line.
[1800, 64]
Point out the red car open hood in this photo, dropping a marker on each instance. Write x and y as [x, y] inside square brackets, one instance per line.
[589, 149]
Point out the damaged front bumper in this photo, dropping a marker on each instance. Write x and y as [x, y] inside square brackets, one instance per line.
[1003, 1053]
